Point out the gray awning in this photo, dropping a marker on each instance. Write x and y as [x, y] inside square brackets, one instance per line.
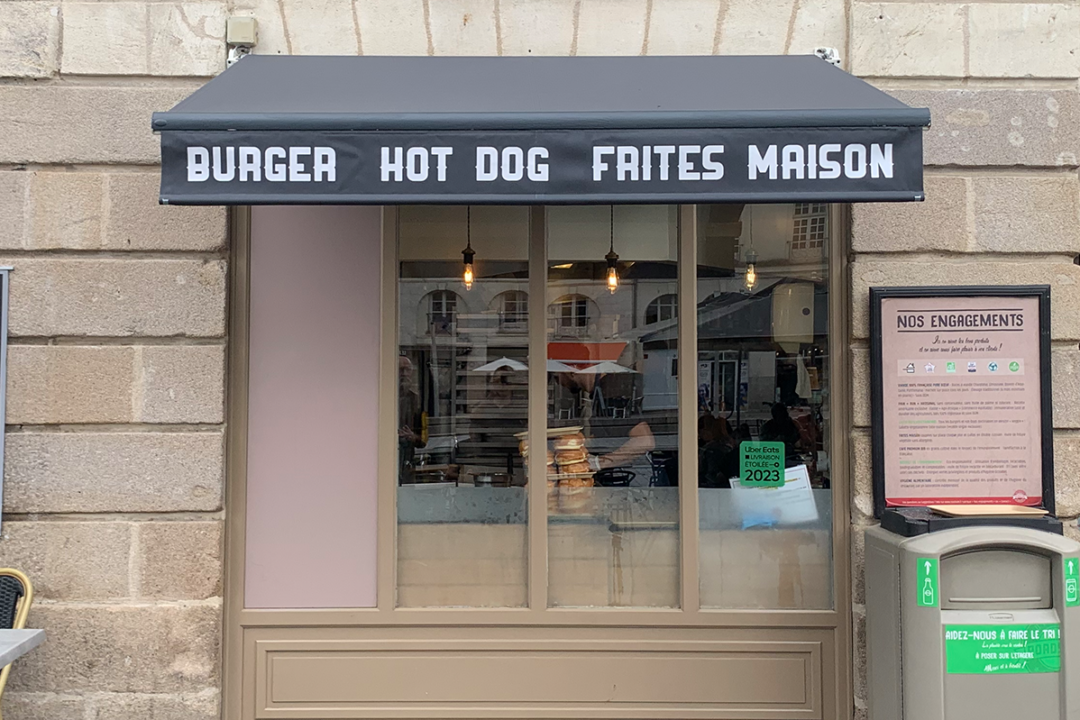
[276, 129]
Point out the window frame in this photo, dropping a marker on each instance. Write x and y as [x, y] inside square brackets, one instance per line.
[830, 630]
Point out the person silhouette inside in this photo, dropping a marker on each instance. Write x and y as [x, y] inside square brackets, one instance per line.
[783, 429]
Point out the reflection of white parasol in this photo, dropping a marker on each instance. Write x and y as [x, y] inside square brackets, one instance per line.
[557, 367]
[606, 368]
[500, 364]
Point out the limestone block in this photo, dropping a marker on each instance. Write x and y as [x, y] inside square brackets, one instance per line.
[939, 223]
[29, 35]
[858, 646]
[819, 23]
[69, 384]
[1027, 214]
[683, 27]
[70, 560]
[105, 38]
[392, 27]
[1024, 40]
[118, 648]
[203, 705]
[14, 193]
[180, 384]
[66, 211]
[1063, 277]
[179, 560]
[1072, 530]
[319, 27]
[117, 298]
[82, 124]
[858, 559]
[536, 27]
[463, 27]
[862, 472]
[272, 38]
[44, 706]
[1034, 127]
[53, 472]
[907, 39]
[1065, 363]
[860, 386]
[187, 39]
[1067, 473]
[136, 221]
[755, 27]
[611, 27]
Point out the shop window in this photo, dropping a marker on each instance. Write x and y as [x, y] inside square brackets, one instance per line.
[613, 500]
[513, 309]
[462, 400]
[763, 356]
[614, 454]
[663, 308]
[810, 226]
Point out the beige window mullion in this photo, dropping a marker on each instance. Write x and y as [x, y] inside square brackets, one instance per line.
[537, 428]
[688, 443]
[386, 558]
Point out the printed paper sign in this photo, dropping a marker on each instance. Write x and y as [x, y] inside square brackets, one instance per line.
[961, 399]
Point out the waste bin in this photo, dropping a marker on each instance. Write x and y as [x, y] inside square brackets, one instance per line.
[973, 623]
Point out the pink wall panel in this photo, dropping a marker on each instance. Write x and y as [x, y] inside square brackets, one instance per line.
[313, 412]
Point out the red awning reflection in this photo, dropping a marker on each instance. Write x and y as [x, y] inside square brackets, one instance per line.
[578, 353]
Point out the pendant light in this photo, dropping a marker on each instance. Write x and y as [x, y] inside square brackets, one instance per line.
[468, 253]
[612, 259]
[751, 272]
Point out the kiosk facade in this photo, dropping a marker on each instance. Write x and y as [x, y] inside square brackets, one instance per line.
[488, 411]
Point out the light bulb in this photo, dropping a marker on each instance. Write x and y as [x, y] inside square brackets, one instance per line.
[612, 279]
[468, 276]
[751, 276]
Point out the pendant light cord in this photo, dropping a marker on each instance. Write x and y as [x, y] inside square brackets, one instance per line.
[468, 227]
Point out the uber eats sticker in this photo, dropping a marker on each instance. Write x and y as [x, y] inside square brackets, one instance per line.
[1002, 649]
[761, 464]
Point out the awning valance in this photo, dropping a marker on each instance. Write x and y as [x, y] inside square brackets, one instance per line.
[388, 130]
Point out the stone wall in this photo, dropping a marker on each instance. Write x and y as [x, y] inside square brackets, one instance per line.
[115, 410]
[1003, 203]
[115, 466]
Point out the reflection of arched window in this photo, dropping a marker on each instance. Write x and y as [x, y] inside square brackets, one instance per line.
[442, 312]
[665, 307]
[513, 309]
[810, 227]
[571, 314]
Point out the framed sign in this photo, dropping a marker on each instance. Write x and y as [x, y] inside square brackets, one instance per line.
[961, 396]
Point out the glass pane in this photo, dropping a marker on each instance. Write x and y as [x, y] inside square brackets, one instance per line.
[763, 375]
[462, 401]
[613, 510]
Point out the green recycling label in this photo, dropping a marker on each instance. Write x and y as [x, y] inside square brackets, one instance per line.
[1071, 566]
[761, 464]
[1002, 649]
[927, 587]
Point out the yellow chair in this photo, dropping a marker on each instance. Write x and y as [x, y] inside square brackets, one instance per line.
[16, 594]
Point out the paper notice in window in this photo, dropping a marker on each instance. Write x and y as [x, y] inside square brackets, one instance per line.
[790, 504]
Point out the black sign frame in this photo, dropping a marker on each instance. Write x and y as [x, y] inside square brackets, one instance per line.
[1042, 293]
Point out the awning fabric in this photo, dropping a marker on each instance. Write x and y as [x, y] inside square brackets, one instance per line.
[388, 130]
